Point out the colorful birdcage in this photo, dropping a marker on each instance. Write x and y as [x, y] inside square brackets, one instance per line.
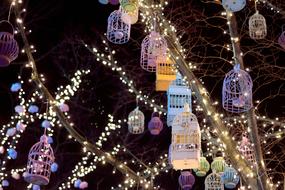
[129, 5]
[203, 168]
[40, 159]
[214, 182]
[185, 141]
[155, 125]
[233, 5]
[246, 149]
[186, 180]
[218, 165]
[237, 91]
[165, 73]
[136, 121]
[281, 39]
[178, 94]
[257, 26]
[9, 48]
[118, 32]
[153, 46]
[131, 17]
[230, 178]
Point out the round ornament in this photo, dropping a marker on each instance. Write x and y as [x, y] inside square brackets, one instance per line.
[233, 5]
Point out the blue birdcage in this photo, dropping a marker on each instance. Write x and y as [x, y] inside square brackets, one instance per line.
[230, 178]
[178, 94]
[237, 91]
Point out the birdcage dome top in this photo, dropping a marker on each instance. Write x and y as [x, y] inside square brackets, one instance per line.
[185, 119]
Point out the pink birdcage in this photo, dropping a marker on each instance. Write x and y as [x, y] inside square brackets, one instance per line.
[118, 31]
[281, 39]
[154, 47]
[155, 125]
[39, 164]
[9, 48]
[237, 91]
[186, 180]
[245, 148]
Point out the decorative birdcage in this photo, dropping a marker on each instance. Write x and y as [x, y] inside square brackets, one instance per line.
[281, 39]
[9, 48]
[233, 5]
[40, 159]
[131, 17]
[186, 140]
[214, 182]
[129, 5]
[186, 180]
[118, 32]
[178, 94]
[257, 26]
[230, 178]
[165, 73]
[136, 121]
[245, 148]
[155, 125]
[203, 168]
[153, 46]
[237, 91]
[218, 165]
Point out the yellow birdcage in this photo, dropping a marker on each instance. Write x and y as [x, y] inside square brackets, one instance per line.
[165, 73]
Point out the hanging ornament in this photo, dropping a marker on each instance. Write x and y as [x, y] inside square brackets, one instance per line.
[178, 94]
[185, 141]
[39, 164]
[218, 165]
[118, 32]
[20, 126]
[77, 183]
[19, 109]
[5, 183]
[104, 2]
[233, 5]
[83, 185]
[33, 109]
[129, 5]
[16, 176]
[246, 149]
[237, 91]
[16, 87]
[165, 73]
[131, 17]
[186, 180]
[214, 182]
[114, 2]
[203, 168]
[153, 46]
[281, 39]
[136, 121]
[230, 178]
[12, 153]
[64, 107]
[257, 26]
[9, 48]
[155, 125]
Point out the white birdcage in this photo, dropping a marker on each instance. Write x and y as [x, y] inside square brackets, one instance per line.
[136, 121]
[118, 31]
[186, 140]
[153, 46]
[39, 164]
[178, 94]
[165, 73]
[257, 26]
[237, 91]
[246, 149]
[214, 182]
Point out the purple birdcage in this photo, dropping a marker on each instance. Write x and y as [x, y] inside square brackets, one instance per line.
[153, 47]
[9, 48]
[186, 180]
[155, 125]
[237, 91]
[281, 39]
[118, 31]
[39, 164]
[245, 148]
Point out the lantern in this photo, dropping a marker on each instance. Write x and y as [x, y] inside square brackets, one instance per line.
[153, 46]
[218, 165]
[155, 125]
[257, 26]
[165, 73]
[178, 94]
[246, 150]
[281, 39]
[203, 168]
[186, 180]
[237, 91]
[214, 182]
[230, 178]
[40, 159]
[233, 5]
[136, 121]
[118, 32]
[9, 48]
[131, 17]
[185, 141]
[129, 5]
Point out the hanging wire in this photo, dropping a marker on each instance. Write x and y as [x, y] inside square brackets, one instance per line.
[10, 10]
[255, 5]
